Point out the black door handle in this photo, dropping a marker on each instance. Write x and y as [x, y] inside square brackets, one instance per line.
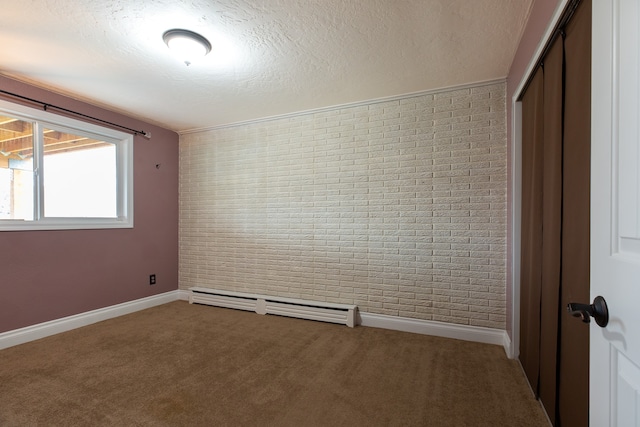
[598, 310]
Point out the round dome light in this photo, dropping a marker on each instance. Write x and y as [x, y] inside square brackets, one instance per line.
[186, 45]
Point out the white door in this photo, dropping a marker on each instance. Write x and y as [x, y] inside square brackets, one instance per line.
[615, 212]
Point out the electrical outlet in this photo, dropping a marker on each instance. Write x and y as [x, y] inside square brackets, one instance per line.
[152, 279]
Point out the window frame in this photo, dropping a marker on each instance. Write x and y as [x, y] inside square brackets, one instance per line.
[124, 171]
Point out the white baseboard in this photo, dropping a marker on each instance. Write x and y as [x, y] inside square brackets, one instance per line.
[438, 329]
[41, 330]
[425, 327]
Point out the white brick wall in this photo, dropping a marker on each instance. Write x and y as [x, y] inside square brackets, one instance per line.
[397, 206]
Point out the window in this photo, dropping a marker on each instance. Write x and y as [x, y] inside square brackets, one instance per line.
[61, 173]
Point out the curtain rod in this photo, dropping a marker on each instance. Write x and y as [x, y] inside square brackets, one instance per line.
[46, 105]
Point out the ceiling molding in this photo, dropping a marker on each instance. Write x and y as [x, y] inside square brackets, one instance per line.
[347, 105]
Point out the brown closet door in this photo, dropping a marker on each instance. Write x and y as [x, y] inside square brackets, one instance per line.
[552, 226]
[531, 237]
[573, 380]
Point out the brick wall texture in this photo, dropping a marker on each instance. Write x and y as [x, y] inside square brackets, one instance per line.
[396, 206]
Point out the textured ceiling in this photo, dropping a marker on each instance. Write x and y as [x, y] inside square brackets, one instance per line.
[270, 57]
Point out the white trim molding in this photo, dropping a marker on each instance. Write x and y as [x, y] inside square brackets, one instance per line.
[42, 330]
[438, 329]
[516, 212]
[346, 105]
[424, 327]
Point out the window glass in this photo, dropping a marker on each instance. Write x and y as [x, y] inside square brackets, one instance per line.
[16, 169]
[80, 176]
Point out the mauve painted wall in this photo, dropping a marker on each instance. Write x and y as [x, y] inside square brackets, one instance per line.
[46, 275]
[539, 19]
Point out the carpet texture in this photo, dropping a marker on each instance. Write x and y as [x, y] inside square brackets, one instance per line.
[190, 365]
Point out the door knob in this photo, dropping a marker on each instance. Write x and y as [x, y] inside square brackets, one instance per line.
[598, 310]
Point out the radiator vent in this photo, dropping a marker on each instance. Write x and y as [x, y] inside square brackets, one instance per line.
[312, 310]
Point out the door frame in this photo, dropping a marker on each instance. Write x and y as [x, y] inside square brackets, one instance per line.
[516, 176]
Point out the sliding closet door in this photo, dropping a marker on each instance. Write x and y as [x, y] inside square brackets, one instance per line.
[531, 237]
[550, 308]
[573, 378]
[541, 225]
[554, 349]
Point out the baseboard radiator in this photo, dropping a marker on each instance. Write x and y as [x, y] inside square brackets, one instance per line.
[302, 309]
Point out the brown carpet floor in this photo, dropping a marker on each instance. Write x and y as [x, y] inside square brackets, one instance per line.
[191, 365]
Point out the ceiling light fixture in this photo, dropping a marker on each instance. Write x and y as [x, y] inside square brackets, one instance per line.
[186, 45]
